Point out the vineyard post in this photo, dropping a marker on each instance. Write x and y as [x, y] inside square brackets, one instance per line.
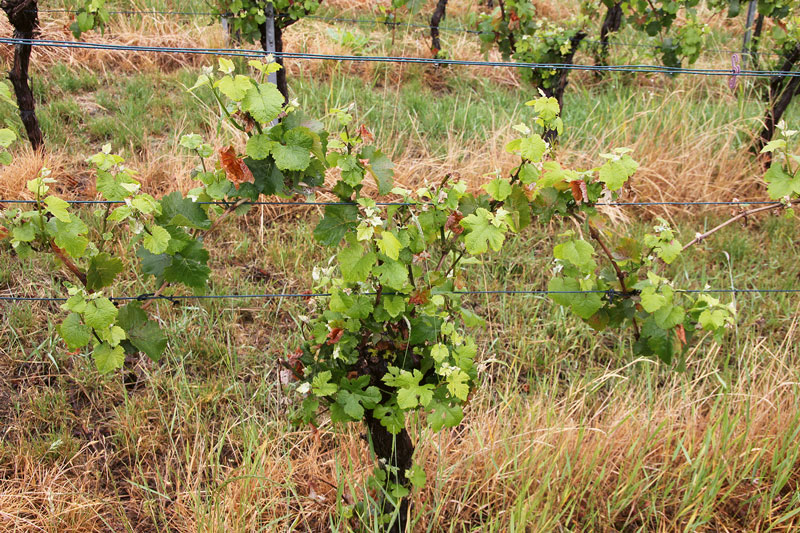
[748, 29]
[24, 17]
[271, 42]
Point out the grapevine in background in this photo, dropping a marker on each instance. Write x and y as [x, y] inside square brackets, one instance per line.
[394, 336]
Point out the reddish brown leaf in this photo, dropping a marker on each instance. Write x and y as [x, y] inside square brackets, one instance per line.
[577, 191]
[366, 135]
[335, 335]
[3, 233]
[234, 166]
[422, 256]
[383, 345]
[420, 297]
[294, 368]
[681, 333]
[245, 119]
[454, 223]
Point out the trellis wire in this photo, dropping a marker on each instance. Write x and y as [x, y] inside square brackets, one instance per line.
[312, 203]
[610, 293]
[642, 69]
[451, 29]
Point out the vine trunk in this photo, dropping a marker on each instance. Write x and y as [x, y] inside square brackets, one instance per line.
[438, 15]
[24, 17]
[781, 91]
[611, 24]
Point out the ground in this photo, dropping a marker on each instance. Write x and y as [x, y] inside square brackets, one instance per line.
[567, 432]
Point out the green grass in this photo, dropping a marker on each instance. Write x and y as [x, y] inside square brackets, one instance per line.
[214, 400]
[567, 433]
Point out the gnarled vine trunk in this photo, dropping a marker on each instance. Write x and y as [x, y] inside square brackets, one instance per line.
[438, 15]
[781, 91]
[396, 452]
[557, 92]
[24, 17]
[611, 24]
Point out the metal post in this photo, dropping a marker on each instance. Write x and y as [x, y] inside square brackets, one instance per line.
[269, 44]
[226, 30]
[751, 15]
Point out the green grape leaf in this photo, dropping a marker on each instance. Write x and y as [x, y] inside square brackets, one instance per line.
[259, 147]
[565, 291]
[389, 245]
[69, 236]
[100, 313]
[651, 300]
[394, 305]
[392, 274]
[482, 233]
[777, 144]
[338, 220]
[668, 251]
[102, 270]
[234, 88]
[321, 385]
[410, 393]
[263, 102]
[189, 266]
[615, 172]
[296, 153]
[577, 252]
[58, 208]
[416, 475]
[355, 264]
[157, 240]
[391, 417]
[458, 385]
[381, 168]
[143, 334]
[267, 178]
[520, 208]
[111, 186]
[532, 148]
[24, 233]
[780, 182]
[7, 137]
[444, 415]
[74, 333]
[547, 108]
[712, 319]
[498, 188]
[146, 204]
[153, 265]
[439, 352]
[179, 211]
[354, 306]
[354, 402]
[669, 316]
[108, 359]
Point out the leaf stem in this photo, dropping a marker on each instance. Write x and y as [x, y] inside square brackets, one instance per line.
[105, 226]
[620, 274]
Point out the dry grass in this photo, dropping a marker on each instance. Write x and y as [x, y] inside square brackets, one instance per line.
[603, 455]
